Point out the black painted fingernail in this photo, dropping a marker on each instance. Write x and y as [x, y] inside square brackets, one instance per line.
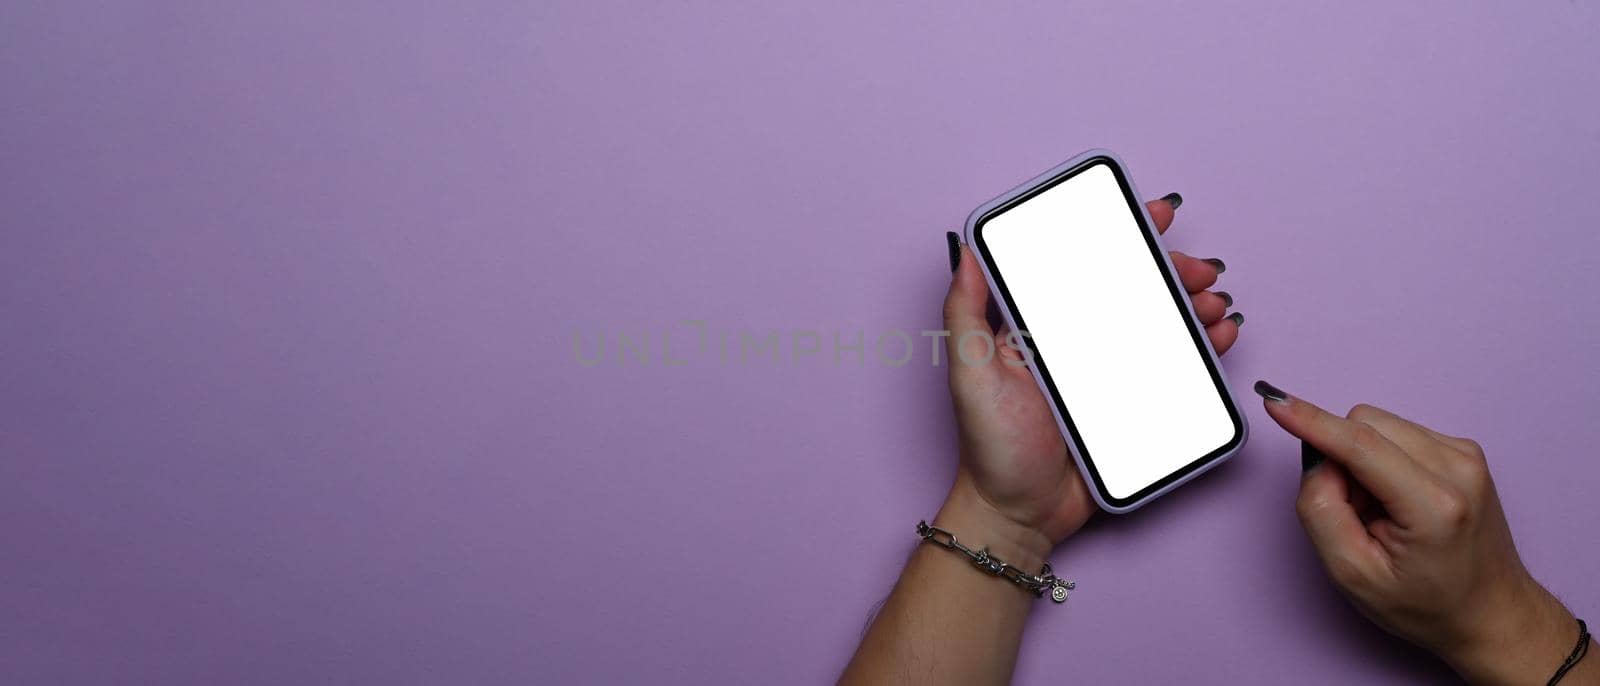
[1216, 263]
[1227, 298]
[1270, 392]
[1237, 318]
[955, 248]
[1310, 456]
[1173, 199]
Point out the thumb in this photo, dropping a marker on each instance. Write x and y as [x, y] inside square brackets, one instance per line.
[971, 341]
[1330, 520]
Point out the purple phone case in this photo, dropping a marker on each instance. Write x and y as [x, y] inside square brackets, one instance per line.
[1103, 499]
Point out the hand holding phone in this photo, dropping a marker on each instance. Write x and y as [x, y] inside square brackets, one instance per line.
[1118, 351]
[1013, 455]
[1016, 494]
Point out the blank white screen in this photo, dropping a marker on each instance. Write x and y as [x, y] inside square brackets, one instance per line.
[1104, 322]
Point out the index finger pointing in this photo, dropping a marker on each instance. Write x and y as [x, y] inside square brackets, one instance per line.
[1402, 485]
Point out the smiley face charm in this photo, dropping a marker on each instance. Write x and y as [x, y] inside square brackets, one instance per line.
[1059, 594]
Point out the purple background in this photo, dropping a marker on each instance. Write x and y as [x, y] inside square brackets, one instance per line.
[289, 291]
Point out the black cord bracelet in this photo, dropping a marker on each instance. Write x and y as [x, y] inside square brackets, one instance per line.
[1578, 651]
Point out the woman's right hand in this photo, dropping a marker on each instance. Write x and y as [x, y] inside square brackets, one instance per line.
[1407, 523]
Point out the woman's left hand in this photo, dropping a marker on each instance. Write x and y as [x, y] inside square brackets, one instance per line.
[1016, 482]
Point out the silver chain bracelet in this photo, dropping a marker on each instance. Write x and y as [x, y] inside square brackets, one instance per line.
[1046, 580]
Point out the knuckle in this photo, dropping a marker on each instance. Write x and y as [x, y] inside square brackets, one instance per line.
[1466, 467]
[1362, 412]
[1306, 509]
[1475, 474]
[1453, 507]
[1472, 463]
[1472, 448]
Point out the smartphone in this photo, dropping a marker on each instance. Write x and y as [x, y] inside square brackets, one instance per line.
[1078, 270]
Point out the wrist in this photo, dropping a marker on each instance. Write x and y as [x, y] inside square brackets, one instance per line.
[978, 523]
[1528, 635]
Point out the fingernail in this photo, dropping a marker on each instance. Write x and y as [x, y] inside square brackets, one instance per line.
[1173, 199]
[1216, 263]
[1227, 298]
[954, 240]
[1310, 456]
[1271, 392]
[1237, 317]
